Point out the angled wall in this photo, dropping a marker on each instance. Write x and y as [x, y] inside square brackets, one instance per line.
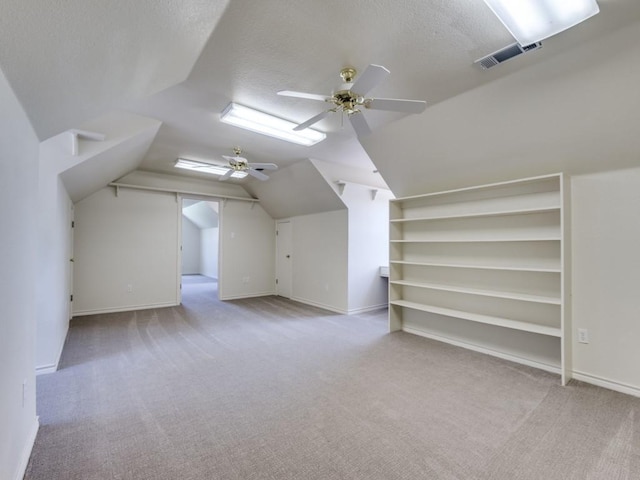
[18, 270]
[367, 199]
[65, 178]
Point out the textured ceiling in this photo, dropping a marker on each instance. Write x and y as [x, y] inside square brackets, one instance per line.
[70, 61]
[182, 61]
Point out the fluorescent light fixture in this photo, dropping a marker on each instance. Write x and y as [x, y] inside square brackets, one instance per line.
[206, 167]
[530, 21]
[259, 122]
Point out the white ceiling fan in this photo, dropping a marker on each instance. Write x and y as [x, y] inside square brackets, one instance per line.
[350, 99]
[240, 164]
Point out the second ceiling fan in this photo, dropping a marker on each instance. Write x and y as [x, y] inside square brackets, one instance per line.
[241, 164]
[351, 98]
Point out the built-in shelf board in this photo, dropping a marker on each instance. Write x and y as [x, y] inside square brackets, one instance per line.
[486, 293]
[486, 319]
[493, 255]
[517, 268]
[477, 215]
[444, 239]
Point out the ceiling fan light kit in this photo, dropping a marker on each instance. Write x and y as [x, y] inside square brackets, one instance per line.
[350, 99]
[266, 124]
[530, 21]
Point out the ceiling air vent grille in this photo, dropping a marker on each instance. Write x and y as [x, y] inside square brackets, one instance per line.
[504, 54]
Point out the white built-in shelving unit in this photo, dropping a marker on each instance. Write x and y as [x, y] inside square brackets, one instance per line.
[486, 268]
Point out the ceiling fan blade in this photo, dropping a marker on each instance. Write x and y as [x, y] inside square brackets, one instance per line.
[359, 124]
[396, 105]
[265, 166]
[308, 96]
[256, 174]
[312, 120]
[372, 76]
[227, 175]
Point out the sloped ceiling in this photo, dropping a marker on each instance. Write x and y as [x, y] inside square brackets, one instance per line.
[571, 114]
[71, 61]
[181, 62]
[96, 163]
[202, 214]
[299, 189]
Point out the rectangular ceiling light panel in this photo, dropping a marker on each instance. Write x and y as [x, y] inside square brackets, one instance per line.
[206, 167]
[530, 21]
[260, 122]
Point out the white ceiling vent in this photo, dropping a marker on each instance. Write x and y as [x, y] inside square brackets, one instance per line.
[504, 54]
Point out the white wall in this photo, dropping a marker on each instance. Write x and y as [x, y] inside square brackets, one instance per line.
[368, 247]
[209, 252]
[55, 213]
[121, 241]
[366, 197]
[606, 276]
[18, 207]
[191, 248]
[247, 246]
[320, 260]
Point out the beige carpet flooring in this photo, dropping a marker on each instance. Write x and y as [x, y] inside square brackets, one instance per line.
[267, 388]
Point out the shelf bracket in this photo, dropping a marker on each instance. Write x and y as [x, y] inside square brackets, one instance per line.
[75, 134]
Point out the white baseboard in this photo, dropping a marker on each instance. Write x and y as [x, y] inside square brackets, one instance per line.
[372, 308]
[320, 305]
[129, 308]
[488, 351]
[605, 383]
[250, 295]
[353, 311]
[53, 367]
[44, 369]
[26, 451]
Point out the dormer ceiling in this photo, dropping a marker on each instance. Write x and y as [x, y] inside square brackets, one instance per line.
[182, 61]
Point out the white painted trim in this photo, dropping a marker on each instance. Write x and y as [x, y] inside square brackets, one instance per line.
[251, 295]
[53, 367]
[604, 383]
[183, 192]
[26, 451]
[320, 305]
[124, 309]
[487, 351]
[44, 369]
[372, 308]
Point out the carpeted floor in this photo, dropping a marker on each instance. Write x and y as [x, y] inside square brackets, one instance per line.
[267, 388]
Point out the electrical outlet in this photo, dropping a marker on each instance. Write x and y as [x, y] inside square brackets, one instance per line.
[583, 335]
[130, 288]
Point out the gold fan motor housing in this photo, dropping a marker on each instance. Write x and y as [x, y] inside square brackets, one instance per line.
[347, 100]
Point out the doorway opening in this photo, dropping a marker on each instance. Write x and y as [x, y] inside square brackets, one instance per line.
[199, 254]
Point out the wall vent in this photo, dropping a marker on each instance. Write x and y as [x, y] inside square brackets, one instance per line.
[504, 54]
